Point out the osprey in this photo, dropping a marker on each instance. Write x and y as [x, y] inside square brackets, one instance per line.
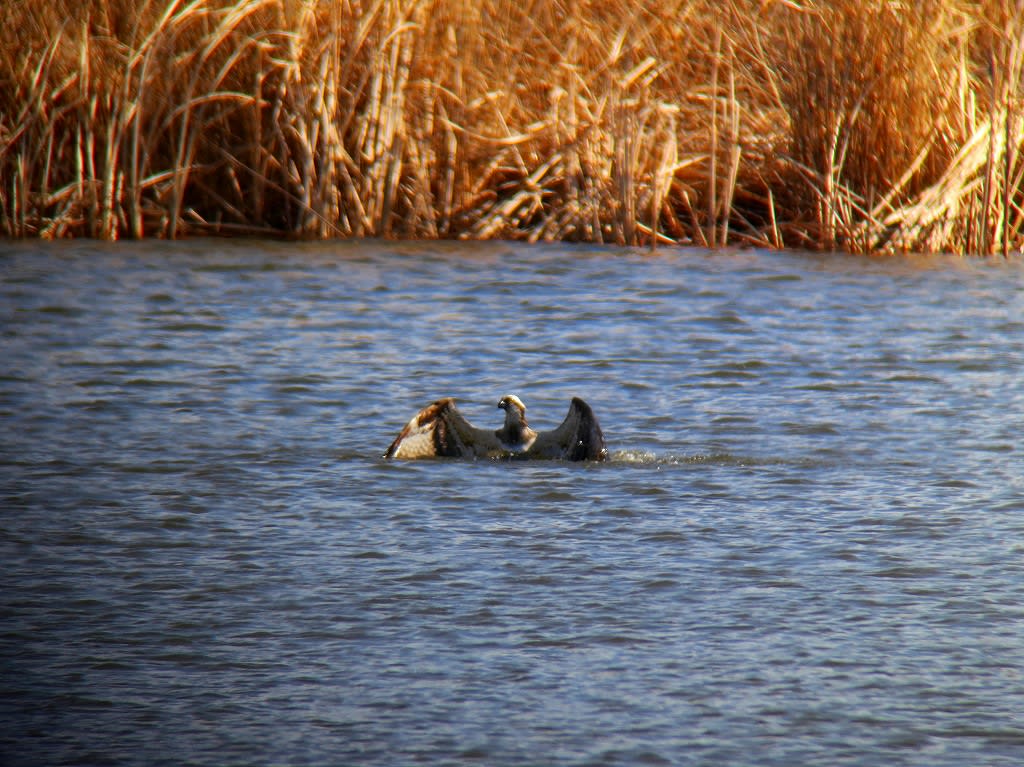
[440, 430]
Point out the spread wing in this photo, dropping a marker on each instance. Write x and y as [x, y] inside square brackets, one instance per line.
[440, 430]
[579, 438]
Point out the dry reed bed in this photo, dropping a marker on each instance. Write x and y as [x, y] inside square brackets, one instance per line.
[868, 126]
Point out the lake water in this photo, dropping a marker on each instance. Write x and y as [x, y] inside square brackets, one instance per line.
[806, 548]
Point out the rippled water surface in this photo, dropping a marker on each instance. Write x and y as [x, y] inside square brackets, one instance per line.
[807, 547]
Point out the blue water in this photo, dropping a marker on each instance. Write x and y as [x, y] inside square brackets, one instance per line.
[807, 547]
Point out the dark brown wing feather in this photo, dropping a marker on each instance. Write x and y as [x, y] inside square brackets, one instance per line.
[578, 438]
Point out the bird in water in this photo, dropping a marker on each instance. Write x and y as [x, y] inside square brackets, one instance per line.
[440, 430]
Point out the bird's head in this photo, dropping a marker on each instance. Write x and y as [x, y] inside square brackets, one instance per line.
[515, 410]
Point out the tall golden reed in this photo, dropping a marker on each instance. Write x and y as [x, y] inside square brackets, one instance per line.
[906, 123]
[870, 126]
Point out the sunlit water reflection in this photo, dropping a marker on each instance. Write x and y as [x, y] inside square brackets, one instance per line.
[808, 547]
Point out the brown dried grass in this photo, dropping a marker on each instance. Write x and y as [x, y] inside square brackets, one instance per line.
[868, 126]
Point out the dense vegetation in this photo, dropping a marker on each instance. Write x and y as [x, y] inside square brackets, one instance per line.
[864, 125]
